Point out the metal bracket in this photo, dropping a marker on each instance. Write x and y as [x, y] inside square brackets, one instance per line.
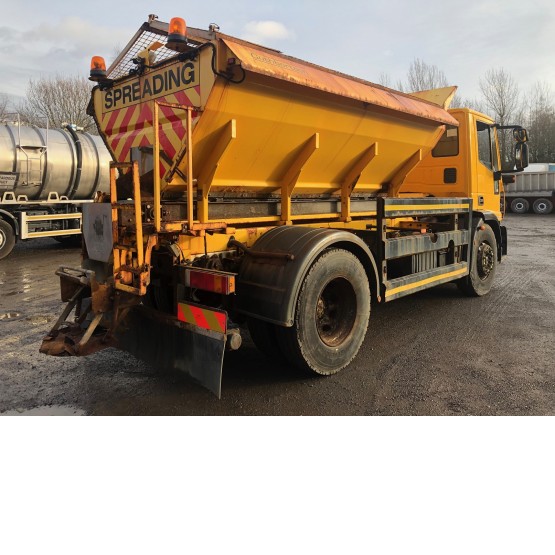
[403, 171]
[289, 180]
[208, 172]
[351, 178]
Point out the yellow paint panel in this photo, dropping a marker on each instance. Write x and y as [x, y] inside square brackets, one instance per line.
[442, 97]
[414, 207]
[415, 285]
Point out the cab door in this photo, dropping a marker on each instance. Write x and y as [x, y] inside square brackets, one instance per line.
[486, 194]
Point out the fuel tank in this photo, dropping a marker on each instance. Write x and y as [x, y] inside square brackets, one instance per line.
[36, 162]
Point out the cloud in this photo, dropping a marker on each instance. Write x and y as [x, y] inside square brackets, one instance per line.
[62, 47]
[78, 36]
[266, 32]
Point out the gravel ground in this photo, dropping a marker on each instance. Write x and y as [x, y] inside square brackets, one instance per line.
[433, 353]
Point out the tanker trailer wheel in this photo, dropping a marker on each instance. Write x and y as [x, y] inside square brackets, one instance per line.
[7, 239]
[482, 265]
[520, 206]
[331, 317]
[542, 206]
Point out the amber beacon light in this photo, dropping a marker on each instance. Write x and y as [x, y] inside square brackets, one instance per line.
[98, 69]
[177, 35]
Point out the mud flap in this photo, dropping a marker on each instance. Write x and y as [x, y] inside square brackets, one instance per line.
[166, 343]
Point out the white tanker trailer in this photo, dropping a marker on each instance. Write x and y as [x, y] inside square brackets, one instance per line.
[46, 175]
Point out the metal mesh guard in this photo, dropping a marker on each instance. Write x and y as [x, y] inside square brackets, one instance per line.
[123, 64]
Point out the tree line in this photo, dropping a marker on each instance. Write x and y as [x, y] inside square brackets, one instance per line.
[500, 98]
[53, 101]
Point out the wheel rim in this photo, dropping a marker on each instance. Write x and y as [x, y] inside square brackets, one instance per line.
[2, 238]
[542, 207]
[486, 260]
[336, 311]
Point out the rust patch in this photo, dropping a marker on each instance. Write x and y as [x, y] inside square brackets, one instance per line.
[65, 342]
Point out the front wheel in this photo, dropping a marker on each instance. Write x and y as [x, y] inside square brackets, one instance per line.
[331, 317]
[7, 239]
[483, 264]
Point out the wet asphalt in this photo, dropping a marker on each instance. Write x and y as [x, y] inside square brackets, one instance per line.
[433, 353]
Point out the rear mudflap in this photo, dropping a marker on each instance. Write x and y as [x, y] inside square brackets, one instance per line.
[166, 343]
[193, 342]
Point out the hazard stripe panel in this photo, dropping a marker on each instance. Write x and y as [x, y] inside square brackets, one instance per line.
[132, 126]
[205, 318]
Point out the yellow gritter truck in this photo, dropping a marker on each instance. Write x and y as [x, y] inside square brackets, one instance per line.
[253, 189]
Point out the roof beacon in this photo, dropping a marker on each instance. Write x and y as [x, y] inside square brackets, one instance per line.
[98, 69]
[177, 35]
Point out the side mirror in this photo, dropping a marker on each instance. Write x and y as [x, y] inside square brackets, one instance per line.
[520, 135]
[521, 156]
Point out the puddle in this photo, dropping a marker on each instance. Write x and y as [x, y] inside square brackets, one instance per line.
[38, 319]
[10, 315]
[46, 410]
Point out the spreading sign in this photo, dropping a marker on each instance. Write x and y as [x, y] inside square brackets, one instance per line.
[149, 86]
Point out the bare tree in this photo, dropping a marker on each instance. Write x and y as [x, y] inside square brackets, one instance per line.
[4, 103]
[385, 80]
[424, 77]
[472, 103]
[59, 100]
[541, 123]
[502, 101]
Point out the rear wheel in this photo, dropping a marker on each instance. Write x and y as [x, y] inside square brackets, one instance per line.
[520, 206]
[542, 206]
[263, 335]
[7, 239]
[483, 264]
[331, 316]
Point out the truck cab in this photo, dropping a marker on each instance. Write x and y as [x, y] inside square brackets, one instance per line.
[464, 163]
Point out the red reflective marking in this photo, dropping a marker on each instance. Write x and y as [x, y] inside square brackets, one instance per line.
[145, 115]
[222, 319]
[199, 317]
[202, 281]
[127, 118]
[198, 313]
[179, 126]
[166, 145]
[111, 122]
[129, 143]
[180, 315]
[114, 143]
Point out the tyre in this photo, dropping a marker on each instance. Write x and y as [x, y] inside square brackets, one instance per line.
[542, 206]
[483, 264]
[7, 239]
[331, 315]
[263, 335]
[520, 206]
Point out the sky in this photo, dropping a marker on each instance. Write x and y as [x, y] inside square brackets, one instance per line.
[364, 38]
